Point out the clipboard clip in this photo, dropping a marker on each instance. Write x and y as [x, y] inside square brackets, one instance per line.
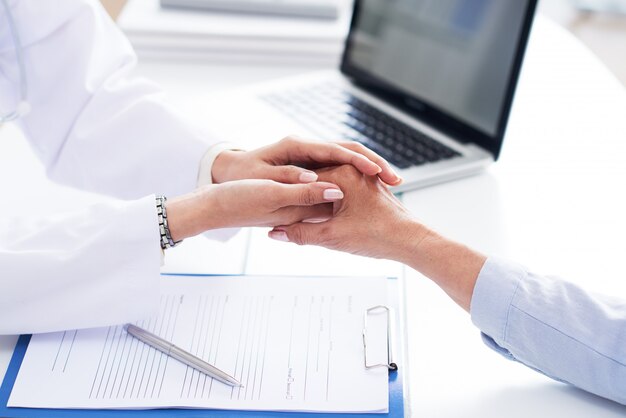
[391, 365]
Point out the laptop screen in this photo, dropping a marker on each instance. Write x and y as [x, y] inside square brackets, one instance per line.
[451, 59]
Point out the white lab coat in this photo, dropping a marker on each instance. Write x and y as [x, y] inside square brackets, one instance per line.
[96, 129]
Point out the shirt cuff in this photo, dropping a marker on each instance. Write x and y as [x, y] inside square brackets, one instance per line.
[205, 176]
[494, 292]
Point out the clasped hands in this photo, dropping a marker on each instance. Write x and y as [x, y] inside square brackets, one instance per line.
[331, 195]
[276, 185]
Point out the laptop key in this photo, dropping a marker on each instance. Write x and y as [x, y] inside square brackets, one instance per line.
[356, 120]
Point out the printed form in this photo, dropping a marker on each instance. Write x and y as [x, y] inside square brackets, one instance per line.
[295, 344]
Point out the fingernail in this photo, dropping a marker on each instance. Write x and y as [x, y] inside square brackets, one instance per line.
[279, 236]
[315, 220]
[308, 177]
[397, 177]
[333, 194]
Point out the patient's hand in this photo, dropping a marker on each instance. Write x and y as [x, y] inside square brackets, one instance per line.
[369, 221]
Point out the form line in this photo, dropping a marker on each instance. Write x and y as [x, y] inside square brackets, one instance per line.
[250, 344]
[330, 344]
[182, 390]
[106, 363]
[219, 338]
[171, 339]
[245, 306]
[58, 351]
[168, 311]
[204, 345]
[258, 347]
[132, 365]
[118, 366]
[70, 351]
[308, 347]
[100, 362]
[143, 349]
[267, 326]
[245, 345]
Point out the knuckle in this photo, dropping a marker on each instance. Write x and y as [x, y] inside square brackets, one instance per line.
[338, 152]
[345, 144]
[324, 233]
[307, 197]
[354, 146]
[290, 139]
[287, 172]
[348, 171]
[357, 146]
[274, 199]
[274, 195]
[337, 148]
[298, 236]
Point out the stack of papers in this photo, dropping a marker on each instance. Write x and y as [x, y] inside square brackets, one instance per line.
[294, 343]
[158, 32]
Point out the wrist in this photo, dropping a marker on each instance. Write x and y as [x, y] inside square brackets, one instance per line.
[407, 236]
[193, 213]
[166, 239]
[224, 166]
[450, 265]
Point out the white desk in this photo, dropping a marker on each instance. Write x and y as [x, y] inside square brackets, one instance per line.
[554, 201]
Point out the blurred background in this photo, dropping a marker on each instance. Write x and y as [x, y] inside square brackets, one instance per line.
[600, 24]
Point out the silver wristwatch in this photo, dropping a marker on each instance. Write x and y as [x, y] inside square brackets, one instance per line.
[164, 229]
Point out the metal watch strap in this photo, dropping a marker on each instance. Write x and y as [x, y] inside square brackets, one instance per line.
[164, 229]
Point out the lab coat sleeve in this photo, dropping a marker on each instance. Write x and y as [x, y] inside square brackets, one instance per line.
[554, 327]
[93, 125]
[96, 267]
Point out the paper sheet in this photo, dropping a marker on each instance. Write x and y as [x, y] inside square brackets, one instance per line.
[295, 343]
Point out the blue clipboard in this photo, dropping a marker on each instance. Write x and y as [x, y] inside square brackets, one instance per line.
[396, 393]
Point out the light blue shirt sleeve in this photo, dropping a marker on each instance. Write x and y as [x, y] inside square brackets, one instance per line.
[554, 327]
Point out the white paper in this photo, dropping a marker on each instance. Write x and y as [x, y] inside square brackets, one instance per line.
[196, 255]
[295, 343]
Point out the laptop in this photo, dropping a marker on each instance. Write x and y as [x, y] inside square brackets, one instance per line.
[426, 84]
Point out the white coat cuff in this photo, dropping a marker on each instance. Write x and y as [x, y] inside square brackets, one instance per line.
[205, 177]
[96, 267]
[206, 164]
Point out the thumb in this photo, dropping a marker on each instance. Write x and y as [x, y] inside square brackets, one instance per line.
[301, 233]
[291, 174]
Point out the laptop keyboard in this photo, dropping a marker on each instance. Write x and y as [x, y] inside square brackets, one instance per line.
[329, 110]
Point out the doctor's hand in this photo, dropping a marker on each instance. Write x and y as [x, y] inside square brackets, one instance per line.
[292, 160]
[245, 203]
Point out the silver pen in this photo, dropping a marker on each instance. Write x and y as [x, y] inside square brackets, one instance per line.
[181, 355]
